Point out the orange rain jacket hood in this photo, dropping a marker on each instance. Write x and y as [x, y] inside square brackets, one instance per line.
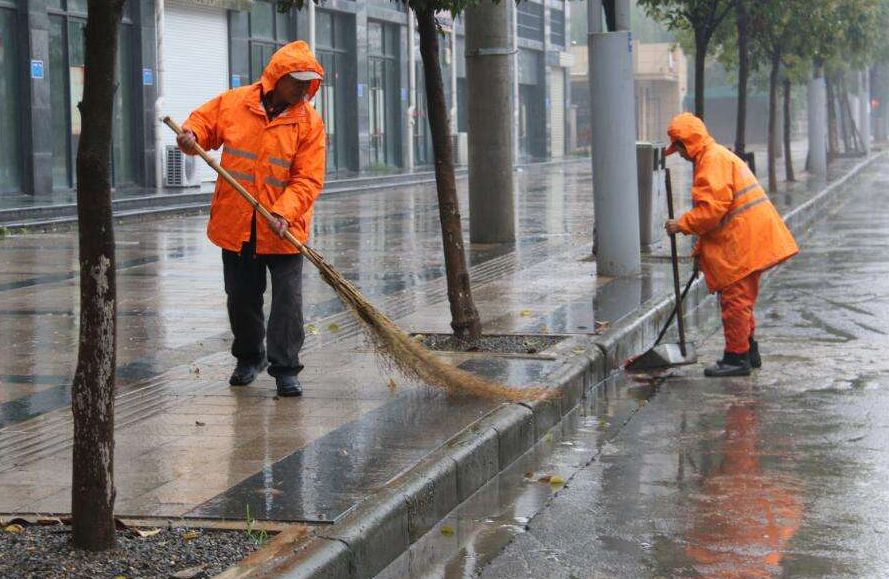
[281, 162]
[739, 230]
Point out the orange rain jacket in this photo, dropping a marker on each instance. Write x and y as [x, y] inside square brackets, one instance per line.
[280, 162]
[739, 229]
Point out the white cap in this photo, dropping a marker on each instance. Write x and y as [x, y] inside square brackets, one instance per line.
[305, 75]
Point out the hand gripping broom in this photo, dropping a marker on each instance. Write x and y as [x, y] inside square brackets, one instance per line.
[405, 353]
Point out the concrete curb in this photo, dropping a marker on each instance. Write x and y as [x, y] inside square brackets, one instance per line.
[385, 524]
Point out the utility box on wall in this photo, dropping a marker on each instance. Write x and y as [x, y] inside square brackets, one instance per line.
[650, 165]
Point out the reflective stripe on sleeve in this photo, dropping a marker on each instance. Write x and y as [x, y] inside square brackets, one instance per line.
[241, 176]
[239, 153]
[739, 210]
[280, 162]
[275, 182]
[746, 190]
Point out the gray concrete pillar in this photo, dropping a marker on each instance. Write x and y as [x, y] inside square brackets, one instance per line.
[489, 78]
[613, 119]
[37, 142]
[864, 110]
[817, 113]
[622, 14]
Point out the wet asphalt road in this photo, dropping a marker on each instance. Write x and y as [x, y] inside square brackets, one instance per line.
[784, 473]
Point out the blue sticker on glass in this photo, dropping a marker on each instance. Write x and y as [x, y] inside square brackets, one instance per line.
[360, 90]
[147, 77]
[236, 80]
[404, 95]
[37, 71]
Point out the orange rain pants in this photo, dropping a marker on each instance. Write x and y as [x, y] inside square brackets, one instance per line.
[737, 302]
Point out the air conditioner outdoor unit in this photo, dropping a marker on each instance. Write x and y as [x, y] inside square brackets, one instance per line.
[181, 169]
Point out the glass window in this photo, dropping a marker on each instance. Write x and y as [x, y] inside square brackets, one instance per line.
[282, 26]
[78, 6]
[557, 27]
[530, 20]
[56, 4]
[262, 20]
[324, 29]
[10, 144]
[61, 169]
[123, 139]
[260, 54]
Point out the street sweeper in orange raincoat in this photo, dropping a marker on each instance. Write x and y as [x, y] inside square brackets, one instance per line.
[740, 235]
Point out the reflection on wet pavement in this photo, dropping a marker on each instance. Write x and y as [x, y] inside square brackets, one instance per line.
[184, 436]
[779, 474]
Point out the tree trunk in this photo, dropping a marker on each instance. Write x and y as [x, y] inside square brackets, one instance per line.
[700, 60]
[92, 401]
[833, 137]
[842, 96]
[743, 73]
[788, 159]
[773, 121]
[464, 316]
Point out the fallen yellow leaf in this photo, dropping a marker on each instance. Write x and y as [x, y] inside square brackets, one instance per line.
[147, 532]
[311, 329]
[556, 480]
[447, 531]
[333, 327]
[525, 313]
[190, 535]
[17, 529]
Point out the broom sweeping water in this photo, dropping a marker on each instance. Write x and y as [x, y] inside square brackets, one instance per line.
[405, 353]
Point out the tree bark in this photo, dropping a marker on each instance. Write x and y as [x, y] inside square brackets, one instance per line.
[833, 137]
[842, 95]
[773, 120]
[743, 74]
[788, 159]
[700, 60]
[464, 316]
[92, 488]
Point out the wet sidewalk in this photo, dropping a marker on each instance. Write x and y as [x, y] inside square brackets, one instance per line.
[188, 445]
[780, 474]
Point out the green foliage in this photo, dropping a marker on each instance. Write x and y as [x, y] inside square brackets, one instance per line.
[258, 537]
[701, 17]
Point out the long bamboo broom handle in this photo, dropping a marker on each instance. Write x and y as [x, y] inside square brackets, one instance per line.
[240, 189]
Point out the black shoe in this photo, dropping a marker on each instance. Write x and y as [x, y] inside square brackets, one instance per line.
[288, 386]
[245, 373]
[755, 359]
[730, 365]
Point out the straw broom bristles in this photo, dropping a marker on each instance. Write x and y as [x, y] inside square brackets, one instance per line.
[405, 353]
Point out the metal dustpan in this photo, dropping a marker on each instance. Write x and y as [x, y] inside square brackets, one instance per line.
[666, 355]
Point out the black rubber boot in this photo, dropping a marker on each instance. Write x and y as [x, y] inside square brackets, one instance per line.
[730, 365]
[288, 386]
[755, 360]
[245, 373]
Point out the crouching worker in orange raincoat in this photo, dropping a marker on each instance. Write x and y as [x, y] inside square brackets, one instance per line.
[740, 236]
[273, 143]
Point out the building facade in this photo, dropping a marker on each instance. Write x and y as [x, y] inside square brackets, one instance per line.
[660, 71]
[176, 54]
